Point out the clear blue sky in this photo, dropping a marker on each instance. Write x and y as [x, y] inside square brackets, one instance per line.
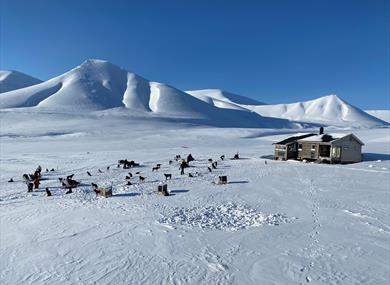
[275, 51]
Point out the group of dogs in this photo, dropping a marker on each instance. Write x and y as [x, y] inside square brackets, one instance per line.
[68, 183]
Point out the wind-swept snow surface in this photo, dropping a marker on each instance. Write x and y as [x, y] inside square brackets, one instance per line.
[273, 223]
[328, 110]
[12, 80]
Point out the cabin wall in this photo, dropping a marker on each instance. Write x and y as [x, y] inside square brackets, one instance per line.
[309, 150]
[280, 152]
[351, 149]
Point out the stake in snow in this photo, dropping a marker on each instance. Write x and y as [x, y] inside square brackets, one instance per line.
[268, 222]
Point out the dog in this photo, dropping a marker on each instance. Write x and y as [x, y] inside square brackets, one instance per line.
[210, 160]
[52, 169]
[158, 165]
[89, 173]
[129, 183]
[222, 157]
[137, 172]
[69, 191]
[168, 175]
[100, 171]
[131, 175]
[47, 170]
[213, 165]
[48, 192]
[190, 175]
[108, 168]
[170, 162]
[94, 186]
[127, 177]
[11, 180]
[155, 168]
[141, 178]
[209, 169]
[265, 162]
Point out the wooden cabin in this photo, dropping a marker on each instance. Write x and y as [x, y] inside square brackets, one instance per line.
[288, 148]
[330, 148]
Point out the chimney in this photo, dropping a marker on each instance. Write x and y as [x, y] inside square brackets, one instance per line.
[321, 130]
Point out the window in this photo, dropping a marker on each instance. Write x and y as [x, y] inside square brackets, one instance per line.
[300, 146]
[345, 147]
[313, 147]
[336, 151]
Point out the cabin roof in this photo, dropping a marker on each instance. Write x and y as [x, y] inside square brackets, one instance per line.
[294, 138]
[328, 138]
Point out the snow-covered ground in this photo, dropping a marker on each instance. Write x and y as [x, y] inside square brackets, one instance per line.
[274, 223]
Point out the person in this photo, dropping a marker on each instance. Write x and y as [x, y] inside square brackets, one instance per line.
[36, 182]
[183, 165]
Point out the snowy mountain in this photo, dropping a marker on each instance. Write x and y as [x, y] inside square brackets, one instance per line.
[383, 115]
[99, 85]
[328, 110]
[12, 80]
[223, 99]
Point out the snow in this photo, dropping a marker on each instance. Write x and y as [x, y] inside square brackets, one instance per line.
[327, 110]
[98, 85]
[274, 223]
[384, 115]
[12, 80]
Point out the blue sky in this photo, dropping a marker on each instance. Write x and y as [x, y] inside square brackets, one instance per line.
[274, 51]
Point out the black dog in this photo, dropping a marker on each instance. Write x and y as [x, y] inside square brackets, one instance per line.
[167, 175]
[108, 168]
[129, 183]
[89, 173]
[222, 157]
[48, 192]
[170, 162]
[100, 171]
[210, 160]
[213, 165]
[11, 180]
[141, 178]
[209, 169]
[190, 175]
[131, 175]
[52, 169]
[127, 177]
[94, 186]
[155, 168]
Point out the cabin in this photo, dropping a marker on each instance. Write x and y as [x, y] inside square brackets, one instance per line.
[329, 148]
[288, 148]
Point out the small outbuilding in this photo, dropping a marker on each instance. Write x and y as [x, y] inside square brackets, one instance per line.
[329, 148]
[288, 148]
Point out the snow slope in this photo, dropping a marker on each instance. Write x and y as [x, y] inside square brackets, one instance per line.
[328, 110]
[383, 115]
[12, 80]
[99, 85]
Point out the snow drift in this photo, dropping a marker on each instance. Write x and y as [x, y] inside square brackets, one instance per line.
[12, 80]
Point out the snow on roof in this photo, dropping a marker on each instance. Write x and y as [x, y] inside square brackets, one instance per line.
[324, 138]
[294, 138]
